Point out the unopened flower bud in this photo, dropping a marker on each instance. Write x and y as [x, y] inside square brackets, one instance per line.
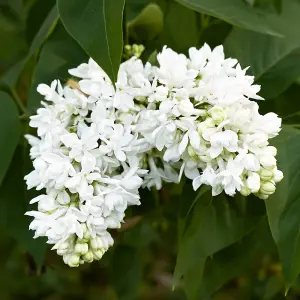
[262, 196]
[268, 161]
[266, 174]
[87, 234]
[94, 244]
[88, 257]
[278, 176]
[267, 188]
[98, 254]
[218, 114]
[245, 191]
[81, 248]
[73, 260]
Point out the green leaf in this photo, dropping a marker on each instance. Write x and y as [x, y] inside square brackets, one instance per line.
[10, 78]
[240, 14]
[45, 30]
[147, 25]
[284, 206]
[180, 36]
[14, 202]
[97, 26]
[59, 54]
[10, 130]
[231, 261]
[134, 7]
[126, 281]
[215, 223]
[275, 62]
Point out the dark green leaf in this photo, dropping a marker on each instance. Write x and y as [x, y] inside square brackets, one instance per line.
[284, 206]
[231, 261]
[179, 35]
[215, 223]
[11, 76]
[97, 26]
[13, 205]
[59, 54]
[134, 7]
[147, 25]
[128, 262]
[10, 130]
[46, 28]
[275, 62]
[240, 14]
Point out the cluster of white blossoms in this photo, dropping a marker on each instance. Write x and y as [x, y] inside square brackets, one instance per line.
[98, 144]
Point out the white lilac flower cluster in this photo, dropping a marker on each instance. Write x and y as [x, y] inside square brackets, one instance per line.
[98, 144]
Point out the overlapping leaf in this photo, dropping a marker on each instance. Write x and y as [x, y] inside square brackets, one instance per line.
[97, 26]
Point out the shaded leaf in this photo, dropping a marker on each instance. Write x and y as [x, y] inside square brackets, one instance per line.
[14, 202]
[284, 206]
[215, 223]
[179, 35]
[97, 26]
[231, 261]
[126, 281]
[240, 14]
[10, 78]
[10, 130]
[275, 62]
[147, 25]
[59, 54]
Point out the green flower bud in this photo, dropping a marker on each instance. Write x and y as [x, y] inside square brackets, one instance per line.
[73, 260]
[81, 248]
[267, 188]
[87, 235]
[262, 196]
[266, 174]
[245, 191]
[218, 114]
[98, 254]
[88, 257]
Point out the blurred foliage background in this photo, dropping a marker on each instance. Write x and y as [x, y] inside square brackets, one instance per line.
[222, 248]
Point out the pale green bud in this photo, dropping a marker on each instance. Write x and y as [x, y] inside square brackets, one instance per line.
[81, 248]
[94, 244]
[88, 257]
[267, 188]
[262, 196]
[266, 174]
[64, 246]
[87, 234]
[62, 252]
[245, 191]
[98, 254]
[73, 260]
[218, 114]
[278, 176]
